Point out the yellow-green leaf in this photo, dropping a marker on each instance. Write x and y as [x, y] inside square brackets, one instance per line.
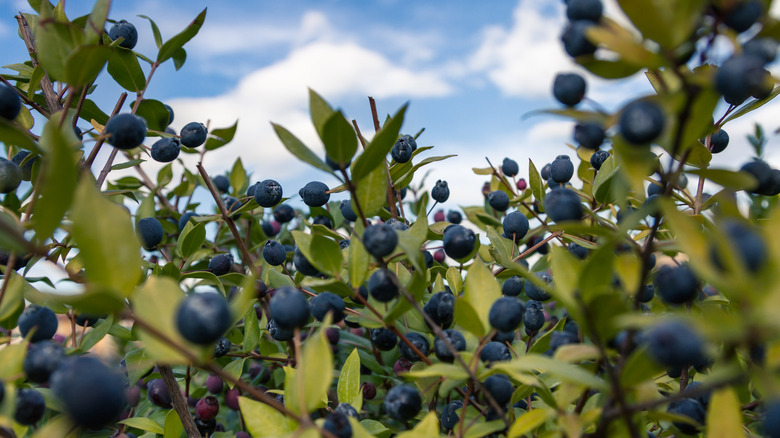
[428, 427]
[11, 359]
[156, 303]
[314, 373]
[348, 388]
[173, 426]
[262, 420]
[481, 290]
[530, 421]
[724, 417]
[371, 192]
[145, 424]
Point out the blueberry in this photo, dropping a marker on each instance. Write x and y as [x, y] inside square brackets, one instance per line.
[598, 158]
[206, 427]
[515, 225]
[704, 397]
[274, 253]
[578, 251]
[344, 243]
[166, 149]
[498, 200]
[590, 10]
[221, 347]
[284, 213]
[545, 172]
[268, 193]
[772, 419]
[675, 344]
[559, 339]
[27, 167]
[278, 333]
[676, 285]
[750, 246]
[504, 337]
[303, 265]
[126, 30]
[347, 211]
[170, 113]
[202, 318]
[506, 314]
[449, 415]
[325, 303]
[495, 352]
[690, 408]
[763, 174]
[40, 319]
[125, 131]
[186, 218]
[91, 393]
[221, 183]
[454, 217]
[744, 15]
[569, 88]
[441, 308]
[500, 387]
[380, 240]
[641, 121]
[10, 176]
[536, 293]
[509, 167]
[718, 141]
[440, 192]
[382, 285]
[589, 135]
[322, 220]
[150, 232]
[30, 406]
[533, 318]
[401, 151]
[574, 39]
[562, 205]
[269, 229]
[764, 48]
[458, 241]
[428, 257]
[513, 286]
[456, 340]
[419, 341]
[561, 169]
[193, 134]
[646, 294]
[289, 308]
[41, 360]
[338, 424]
[314, 194]
[221, 264]
[10, 103]
[740, 77]
[346, 409]
[383, 339]
[403, 402]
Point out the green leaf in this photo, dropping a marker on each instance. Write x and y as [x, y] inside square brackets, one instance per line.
[450, 371]
[379, 147]
[179, 57]
[238, 181]
[564, 371]
[11, 359]
[320, 111]
[145, 424]
[155, 32]
[481, 290]
[191, 239]
[535, 181]
[173, 426]
[358, 263]
[155, 114]
[426, 428]
[604, 178]
[667, 22]
[313, 376]
[207, 277]
[251, 331]
[221, 136]
[106, 241]
[138, 363]
[123, 66]
[90, 111]
[371, 192]
[13, 299]
[57, 179]
[11, 134]
[727, 178]
[55, 42]
[235, 369]
[322, 252]
[611, 36]
[262, 420]
[169, 48]
[724, 415]
[752, 105]
[98, 332]
[530, 421]
[96, 22]
[339, 138]
[348, 388]
[85, 63]
[300, 150]
[607, 69]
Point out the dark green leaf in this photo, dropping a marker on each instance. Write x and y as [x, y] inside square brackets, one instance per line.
[90, 111]
[55, 42]
[11, 134]
[190, 239]
[220, 137]
[98, 332]
[155, 31]
[322, 252]
[380, 146]
[320, 111]
[668, 22]
[85, 63]
[371, 192]
[300, 150]
[179, 57]
[535, 180]
[155, 114]
[123, 66]
[238, 181]
[127, 164]
[169, 48]
[339, 138]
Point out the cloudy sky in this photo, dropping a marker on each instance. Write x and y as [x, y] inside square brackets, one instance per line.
[470, 73]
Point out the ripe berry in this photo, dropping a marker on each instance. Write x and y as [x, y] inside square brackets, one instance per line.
[590, 10]
[202, 318]
[676, 285]
[10, 103]
[562, 205]
[221, 264]
[772, 419]
[323, 220]
[575, 42]
[158, 393]
[27, 167]
[569, 88]
[10, 176]
[221, 183]
[325, 303]
[589, 135]
[598, 158]
[495, 352]
[536, 293]
[38, 318]
[561, 169]
[641, 121]
[125, 131]
[458, 241]
[338, 424]
[314, 194]
[718, 141]
[500, 387]
[578, 251]
[380, 240]
[91, 393]
[369, 391]
[559, 339]
[763, 174]
[126, 30]
[440, 192]
[268, 193]
[347, 211]
[401, 151]
[41, 360]
[193, 134]
[498, 200]
[403, 402]
[690, 408]
[750, 246]
[214, 384]
[509, 167]
[675, 344]
[383, 339]
[449, 415]
[456, 340]
[30, 406]
[382, 286]
[150, 232]
[740, 77]
[454, 217]
[764, 48]
[533, 318]
[744, 15]
[278, 333]
[186, 218]
[303, 265]
[513, 286]
[207, 408]
[284, 213]
[166, 149]
[206, 427]
[515, 226]
[441, 308]
[419, 341]
[274, 253]
[506, 314]
[289, 308]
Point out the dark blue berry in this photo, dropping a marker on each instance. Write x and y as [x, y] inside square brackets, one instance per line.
[403, 402]
[563, 205]
[166, 149]
[202, 318]
[382, 285]
[268, 193]
[419, 341]
[274, 253]
[569, 88]
[440, 192]
[125, 131]
[513, 286]
[150, 231]
[458, 241]
[284, 213]
[380, 240]
[506, 314]
[509, 167]
[495, 352]
[498, 200]
[193, 134]
[561, 169]
[40, 319]
[221, 183]
[221, 264]
[314, 194]
[327, 302]
[589, 135]
[641, 122]
[383, 339]
[456, 340]
[289, 308]
[126, 30]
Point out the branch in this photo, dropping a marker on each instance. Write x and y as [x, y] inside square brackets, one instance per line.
[178, 401]
[46, 87]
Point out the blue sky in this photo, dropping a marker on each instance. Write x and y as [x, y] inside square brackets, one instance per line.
[469, 72]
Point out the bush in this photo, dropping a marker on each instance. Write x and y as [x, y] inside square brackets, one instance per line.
[583, 344]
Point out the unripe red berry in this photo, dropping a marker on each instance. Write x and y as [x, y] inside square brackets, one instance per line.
[207, 408]
[369, 391]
